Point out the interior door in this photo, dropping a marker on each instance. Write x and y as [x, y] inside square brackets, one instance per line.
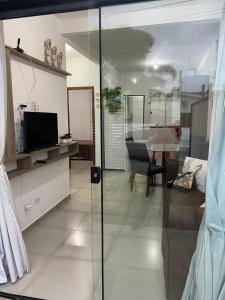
[80, 113]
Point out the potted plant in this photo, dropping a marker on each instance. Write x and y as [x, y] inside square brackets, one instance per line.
[113, 98]
[66, 138]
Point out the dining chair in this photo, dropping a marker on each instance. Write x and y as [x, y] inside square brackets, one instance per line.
[130, 139]
[140, 164]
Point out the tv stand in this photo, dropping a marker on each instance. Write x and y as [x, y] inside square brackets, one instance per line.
[26, 161]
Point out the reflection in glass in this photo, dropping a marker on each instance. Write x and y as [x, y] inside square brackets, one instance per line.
[163, 59]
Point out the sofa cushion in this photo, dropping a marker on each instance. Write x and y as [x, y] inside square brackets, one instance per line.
[180, 246]
[182, 216]
[184, 198]
[182, 208]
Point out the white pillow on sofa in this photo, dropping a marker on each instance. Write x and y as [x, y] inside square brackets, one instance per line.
[190, 165]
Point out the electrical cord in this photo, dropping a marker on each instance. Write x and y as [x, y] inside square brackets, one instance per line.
[24, 80]
[30, 103]
[35, 79]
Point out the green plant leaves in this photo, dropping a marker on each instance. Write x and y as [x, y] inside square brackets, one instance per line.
[113, 98]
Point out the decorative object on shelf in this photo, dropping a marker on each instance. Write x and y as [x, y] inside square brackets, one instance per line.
[35, 61]
[48, 51]
[54, 56]
[66, 138]
[59, 60]
[113, 99]
[18, 46]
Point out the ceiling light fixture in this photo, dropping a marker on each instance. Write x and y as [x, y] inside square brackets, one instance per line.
[155, 67]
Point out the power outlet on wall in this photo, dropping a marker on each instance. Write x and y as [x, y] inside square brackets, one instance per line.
[27, 207]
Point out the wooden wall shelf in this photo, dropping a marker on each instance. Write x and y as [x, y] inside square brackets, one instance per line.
[36, 61]
[25, 162]
[17, 157]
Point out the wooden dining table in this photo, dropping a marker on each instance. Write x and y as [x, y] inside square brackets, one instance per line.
[165, 151]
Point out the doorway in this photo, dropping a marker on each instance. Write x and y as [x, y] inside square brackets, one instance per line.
[135, 116]
[81, 118]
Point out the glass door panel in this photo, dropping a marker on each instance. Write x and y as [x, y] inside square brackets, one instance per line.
[157, 82]
[58, 210]
[96, 216]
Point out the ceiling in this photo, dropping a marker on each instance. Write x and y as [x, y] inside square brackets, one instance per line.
[179, 45]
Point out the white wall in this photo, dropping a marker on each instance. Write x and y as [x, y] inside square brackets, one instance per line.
[49, 92]
[38, 191]
[45, 187]
[208, 64]
[33, 31]
[142, 14]
[86, 73]
[161, 12]
[144, 84]
[208, 67]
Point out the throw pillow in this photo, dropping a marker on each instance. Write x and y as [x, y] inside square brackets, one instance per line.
[190, 165]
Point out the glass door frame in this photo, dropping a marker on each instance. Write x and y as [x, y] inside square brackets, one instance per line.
[72, 8]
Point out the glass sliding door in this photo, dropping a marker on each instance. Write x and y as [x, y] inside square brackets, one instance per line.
[58, 209]
[96, 217]
[158, 63]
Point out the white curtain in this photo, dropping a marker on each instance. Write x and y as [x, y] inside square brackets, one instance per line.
[13, 255]
[219, 90]
[206, 278]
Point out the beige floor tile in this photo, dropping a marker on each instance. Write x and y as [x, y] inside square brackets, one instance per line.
[63, 219]
[45, 240]
[65, 246]
[76, 204]
[37, 263]
[112, 224]
[133, 283]
[85, 246]
[139, 253]
[141, 228]
[63, 279]
[83, 194]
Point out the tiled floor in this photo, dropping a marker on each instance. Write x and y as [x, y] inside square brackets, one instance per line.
[65, 246]
[134, 265]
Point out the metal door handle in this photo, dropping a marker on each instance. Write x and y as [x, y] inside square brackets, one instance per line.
[95, 175]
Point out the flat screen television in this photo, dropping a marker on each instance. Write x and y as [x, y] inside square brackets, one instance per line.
[40, 130]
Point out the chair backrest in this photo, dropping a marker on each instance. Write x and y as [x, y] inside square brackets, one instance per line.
[139, 158]
[137, 151]
[130, 139]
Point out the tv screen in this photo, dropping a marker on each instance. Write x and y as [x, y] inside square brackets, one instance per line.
[40, 130]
